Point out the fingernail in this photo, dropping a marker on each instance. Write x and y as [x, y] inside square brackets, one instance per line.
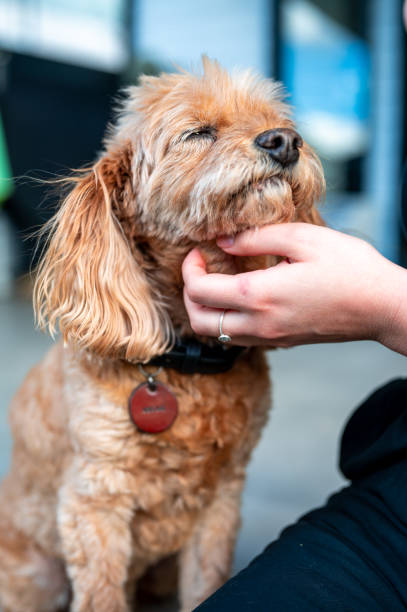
[225, 241]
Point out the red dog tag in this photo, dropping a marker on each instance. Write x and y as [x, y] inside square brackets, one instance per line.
[153, 408]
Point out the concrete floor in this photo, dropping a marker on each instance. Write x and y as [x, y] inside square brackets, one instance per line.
[293, 469]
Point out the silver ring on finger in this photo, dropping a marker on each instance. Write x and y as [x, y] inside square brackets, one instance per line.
[223, 338]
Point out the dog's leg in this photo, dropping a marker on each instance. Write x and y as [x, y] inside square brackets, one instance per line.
[206, 560]
[95, 528]
[29, 580]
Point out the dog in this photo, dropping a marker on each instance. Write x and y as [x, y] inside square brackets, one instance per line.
[95, 497]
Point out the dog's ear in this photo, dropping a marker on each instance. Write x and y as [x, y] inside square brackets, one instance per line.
[91, 280]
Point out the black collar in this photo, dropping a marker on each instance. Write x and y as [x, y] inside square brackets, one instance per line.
[192, 357]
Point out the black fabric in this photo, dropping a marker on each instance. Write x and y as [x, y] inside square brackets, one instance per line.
[351, 554]
[190, 357]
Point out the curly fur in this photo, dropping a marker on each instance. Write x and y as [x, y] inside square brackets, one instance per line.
[91, 503]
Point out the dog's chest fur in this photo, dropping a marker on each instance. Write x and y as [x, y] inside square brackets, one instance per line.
[174, 473]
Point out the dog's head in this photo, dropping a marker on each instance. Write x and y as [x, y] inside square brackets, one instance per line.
[190, 157]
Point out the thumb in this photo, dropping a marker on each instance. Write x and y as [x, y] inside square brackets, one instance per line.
[193, 266]
[291, 240]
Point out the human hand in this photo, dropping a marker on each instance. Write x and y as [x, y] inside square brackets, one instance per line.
[333, 288]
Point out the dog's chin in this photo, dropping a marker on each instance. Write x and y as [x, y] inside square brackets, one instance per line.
[255, 204]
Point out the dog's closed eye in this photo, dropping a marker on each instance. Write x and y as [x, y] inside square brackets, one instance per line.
[202, 132]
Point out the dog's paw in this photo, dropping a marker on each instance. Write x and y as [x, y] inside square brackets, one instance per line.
[106, 599]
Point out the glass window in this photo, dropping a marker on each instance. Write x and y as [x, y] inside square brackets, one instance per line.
[236, 33]
[326, 69]
[87, 33]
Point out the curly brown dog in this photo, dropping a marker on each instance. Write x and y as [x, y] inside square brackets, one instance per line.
[94, 496]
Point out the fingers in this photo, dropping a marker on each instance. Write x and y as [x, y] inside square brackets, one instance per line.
[216, 290]
[205, 322]
[293, 240]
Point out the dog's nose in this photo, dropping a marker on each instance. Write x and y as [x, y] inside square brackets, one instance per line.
[281, 144]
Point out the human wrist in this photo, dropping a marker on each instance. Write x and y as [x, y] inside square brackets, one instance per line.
[391, 330]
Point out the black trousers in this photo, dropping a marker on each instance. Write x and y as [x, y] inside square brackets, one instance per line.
[351, 554]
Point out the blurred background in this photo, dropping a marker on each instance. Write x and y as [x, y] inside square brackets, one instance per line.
[343, 66]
